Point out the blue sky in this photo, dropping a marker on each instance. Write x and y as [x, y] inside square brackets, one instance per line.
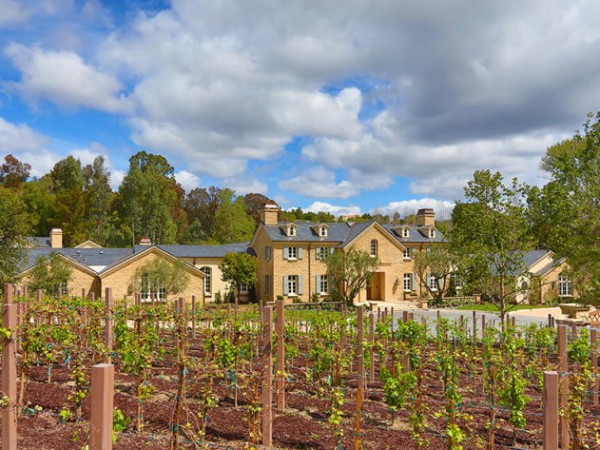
[350, 107]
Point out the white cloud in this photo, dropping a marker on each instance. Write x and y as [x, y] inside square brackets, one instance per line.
[336, 210]
[246, 185]
[64, 78]
[318, 182]
[13, 13]
[187, 180]
[19, 138]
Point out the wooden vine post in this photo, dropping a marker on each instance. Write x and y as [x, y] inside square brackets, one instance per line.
[9, 371]
[280, 356]
[108, 327]
[267, 385]
[563, 367]
[372, 348]
[361, 375]
[101, 418]
[181, 330]
[550, 410]
[594, 337]
[193, 317]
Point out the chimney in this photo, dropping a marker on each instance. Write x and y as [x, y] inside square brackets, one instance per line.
[56, 238]
[145, 242]
[269, 214]
[426, 217]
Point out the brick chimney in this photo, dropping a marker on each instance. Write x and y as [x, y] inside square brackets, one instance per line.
[56, 238]
[145, 242]
[426, 217]
[269, 214]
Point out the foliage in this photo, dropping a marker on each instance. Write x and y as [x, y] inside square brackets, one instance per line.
[490, 237]
[159, 275]
[349, 272]
[435, 261]
[51, 274]
[238, 269]
[13, 172]
[232, 223]
[14, 225]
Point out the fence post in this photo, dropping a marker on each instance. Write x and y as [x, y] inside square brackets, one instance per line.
[404, 316]
[193, 317]
[361, 373]
[563, 367]
[267, 386]
[594, 337]
[101, 419]
[372, 347]
[550, 410]
[280, 356]
[108, 331]
[482, 326]
[474, 327]
[9, 371]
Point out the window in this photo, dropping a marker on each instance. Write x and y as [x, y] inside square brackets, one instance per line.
[564, 286]
[374, 247]
[431, 282]
[292, 230]
[323, 252]
[62, 288]
[323, 231]
[407, 253]
[292, 253]
[292, 284]
[323, 284]
[405, 232]
[456, 280]
[431, 233]
[152, 290]
[268, 252]
[243, 288]
[207, 280]
[267, 284]
[407, 281]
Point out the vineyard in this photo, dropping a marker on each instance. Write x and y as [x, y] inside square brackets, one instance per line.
[192, 376]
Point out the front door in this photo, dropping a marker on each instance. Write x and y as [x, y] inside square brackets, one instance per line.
[375, 290]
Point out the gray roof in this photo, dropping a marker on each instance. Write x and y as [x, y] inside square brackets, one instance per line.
[205, 251]
[533, 256]
[38, 241]
[345, 233]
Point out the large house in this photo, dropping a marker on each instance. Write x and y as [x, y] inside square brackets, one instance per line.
[94, 268]
[290, 255]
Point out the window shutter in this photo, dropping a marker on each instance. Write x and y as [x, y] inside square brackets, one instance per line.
[318, 254]
[414, 281]
[286, 252]
[331, 250]
[318, 284]
[299, 252]
[270, 252]
[285, 285]
[300, 277]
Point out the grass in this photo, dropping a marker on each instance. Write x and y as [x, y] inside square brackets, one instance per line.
[493, 308]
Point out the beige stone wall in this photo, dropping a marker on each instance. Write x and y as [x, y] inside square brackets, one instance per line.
[265, 267]
[217, 284]
[120, 280]
[549, 285]
[78, 280]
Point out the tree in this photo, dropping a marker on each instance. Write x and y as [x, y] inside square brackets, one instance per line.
[350, 271]
[51, 274]
[13, 172]
[239, 269]
[232, 223]
[14, 226]
[98, 197]
[565, 213]
[160, 279]
[201, 205]
[146, 199]
[254, 204]
[434, 268]
[39, 199]
[490, 237]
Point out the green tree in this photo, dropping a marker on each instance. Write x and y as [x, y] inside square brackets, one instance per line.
[349, 272]
[233, 224]
[13, 172]
[39, 201]
[160, 277]
[51, 274]
[14, 227]
[490, 237]
[434, 268]
[98, 197]
[201, 205]
[565, 213]
[239, 269]
[146, 198]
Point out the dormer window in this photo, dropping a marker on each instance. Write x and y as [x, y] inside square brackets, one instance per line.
[405, 232]
[431, 233]
[323, 231]
[292, 230]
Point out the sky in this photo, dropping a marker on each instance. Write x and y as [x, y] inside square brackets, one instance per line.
[346, 106]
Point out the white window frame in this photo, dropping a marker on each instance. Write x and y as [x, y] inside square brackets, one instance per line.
[431, 233]
[431, 282]
[323, 284]
[151, 293]
[407, 282]
[207, 271]
[374, 247]
[292, 285]
[405, 232]
[292, 252]
[243, 288]
[565, 288]
[323, 231]
[406, 253]
[292, 230]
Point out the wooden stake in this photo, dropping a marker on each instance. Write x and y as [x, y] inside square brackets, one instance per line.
[108, 331]
[101, 419]
[267, 385]
[9, 371]
[594, 337]
[372, 348]
[551, 410]
[563, 368]
[193, 317]
[280, 356]
[360, 351]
